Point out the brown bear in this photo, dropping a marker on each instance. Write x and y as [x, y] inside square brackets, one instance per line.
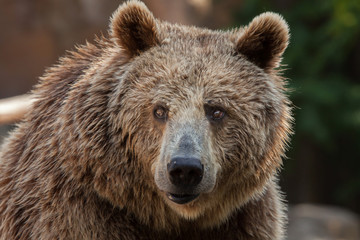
[159, 131]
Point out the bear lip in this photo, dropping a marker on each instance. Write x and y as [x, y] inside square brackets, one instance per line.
[181, 198]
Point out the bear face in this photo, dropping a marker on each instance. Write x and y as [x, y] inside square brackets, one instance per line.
[210, 108]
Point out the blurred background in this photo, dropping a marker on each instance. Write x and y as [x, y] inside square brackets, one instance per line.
[322, 173]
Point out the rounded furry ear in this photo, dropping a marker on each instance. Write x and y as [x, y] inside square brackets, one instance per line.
[264, 40]
[134, 28]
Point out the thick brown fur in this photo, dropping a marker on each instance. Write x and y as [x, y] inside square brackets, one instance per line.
[86, 161]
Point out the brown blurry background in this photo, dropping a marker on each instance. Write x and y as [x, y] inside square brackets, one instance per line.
[323, 65]
[34, 34]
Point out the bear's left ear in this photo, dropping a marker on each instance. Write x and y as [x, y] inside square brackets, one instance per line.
[134, 27]
[264, 40]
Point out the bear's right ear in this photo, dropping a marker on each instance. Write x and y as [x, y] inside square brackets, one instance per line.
[134, 27]
[264, 40]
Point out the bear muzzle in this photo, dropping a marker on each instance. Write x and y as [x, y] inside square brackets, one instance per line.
[185, 173]
[185, 168]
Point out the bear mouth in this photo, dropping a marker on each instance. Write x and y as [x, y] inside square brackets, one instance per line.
[181, 198]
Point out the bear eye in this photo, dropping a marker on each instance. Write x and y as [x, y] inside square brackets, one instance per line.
[160, 113]
[214, 113]
[218, 114]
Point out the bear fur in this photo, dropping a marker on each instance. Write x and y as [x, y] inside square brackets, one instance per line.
[91, 158]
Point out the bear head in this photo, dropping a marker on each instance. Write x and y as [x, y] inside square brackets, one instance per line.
[197, 119]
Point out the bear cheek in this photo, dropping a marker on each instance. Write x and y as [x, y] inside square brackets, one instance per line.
[159, 175]
[158, 167]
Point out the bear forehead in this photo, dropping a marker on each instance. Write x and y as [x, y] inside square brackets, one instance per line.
[198, 66]
[178, 79]
[190, 39]
[185, 52]
[197, 63]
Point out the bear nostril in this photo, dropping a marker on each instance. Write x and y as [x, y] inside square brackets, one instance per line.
[185, 172]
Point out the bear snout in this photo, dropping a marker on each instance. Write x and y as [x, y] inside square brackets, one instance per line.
[185, 172]
[185, 168]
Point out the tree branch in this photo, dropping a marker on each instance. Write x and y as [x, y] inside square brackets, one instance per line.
[14, 108]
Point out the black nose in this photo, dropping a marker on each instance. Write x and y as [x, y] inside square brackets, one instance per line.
[185, 171]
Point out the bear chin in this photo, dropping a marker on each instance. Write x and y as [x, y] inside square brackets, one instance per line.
[190, 210]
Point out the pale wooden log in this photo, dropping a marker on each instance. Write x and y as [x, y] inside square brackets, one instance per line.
[14, 108]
